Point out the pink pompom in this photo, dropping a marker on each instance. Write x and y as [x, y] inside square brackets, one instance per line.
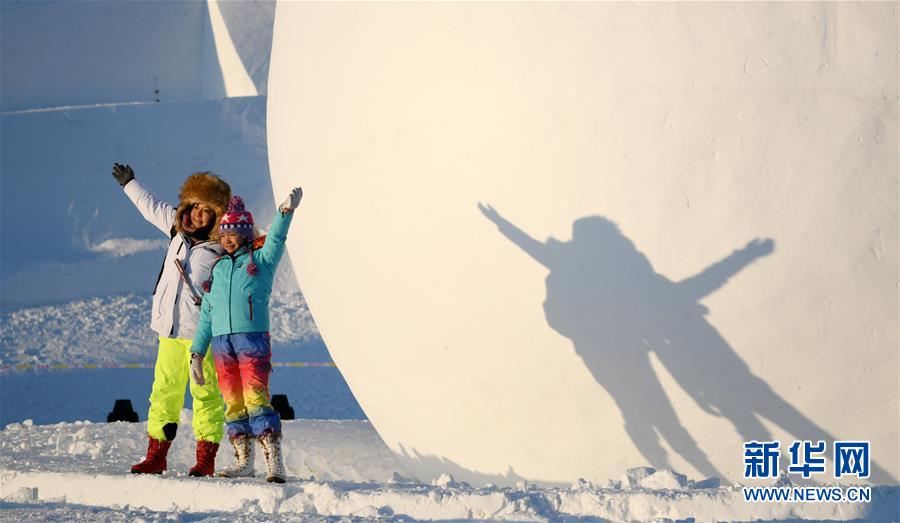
[206, 285]
[252, 269]
[235, 204]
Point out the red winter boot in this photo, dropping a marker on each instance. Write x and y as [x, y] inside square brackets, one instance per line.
[155, 462]
[206, 459]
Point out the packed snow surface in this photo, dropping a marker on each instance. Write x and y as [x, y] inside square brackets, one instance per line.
[339, 469]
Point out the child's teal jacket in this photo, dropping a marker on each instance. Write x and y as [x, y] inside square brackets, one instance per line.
[236, 301]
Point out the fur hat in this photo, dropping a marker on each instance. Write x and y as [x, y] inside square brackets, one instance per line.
[206, 188]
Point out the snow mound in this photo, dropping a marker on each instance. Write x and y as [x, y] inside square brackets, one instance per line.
[103, 330]
[115, 330]
[101, 349]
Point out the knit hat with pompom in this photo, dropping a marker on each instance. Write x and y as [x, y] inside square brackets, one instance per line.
[237, 219]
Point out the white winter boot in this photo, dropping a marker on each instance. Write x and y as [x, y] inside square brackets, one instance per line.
[243, 457]
[271, 445]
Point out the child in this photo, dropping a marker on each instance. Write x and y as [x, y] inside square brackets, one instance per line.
[234, 313]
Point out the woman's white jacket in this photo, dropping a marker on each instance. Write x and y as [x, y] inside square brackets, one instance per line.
[175, 313]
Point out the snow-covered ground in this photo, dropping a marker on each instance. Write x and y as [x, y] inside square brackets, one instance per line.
[340, 469]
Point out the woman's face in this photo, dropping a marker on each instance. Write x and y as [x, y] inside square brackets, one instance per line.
[200, 217]
[231, 241]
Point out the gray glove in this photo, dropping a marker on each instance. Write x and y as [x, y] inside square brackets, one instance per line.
[122, 173]
[197, 369]
[293, 200]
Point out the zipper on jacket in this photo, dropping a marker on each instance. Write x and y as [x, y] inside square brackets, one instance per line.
[250, 303]
[176, 314]
[230, 282]
[163, 266]
[159, 277]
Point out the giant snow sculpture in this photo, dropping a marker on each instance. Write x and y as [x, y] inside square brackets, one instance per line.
[551, 241]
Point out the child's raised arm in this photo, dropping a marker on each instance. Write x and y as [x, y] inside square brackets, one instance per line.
[271, 252]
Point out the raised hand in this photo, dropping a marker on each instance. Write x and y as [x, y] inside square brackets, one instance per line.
[489, 212]
[122, 173]
[758, 248]
[293, 200]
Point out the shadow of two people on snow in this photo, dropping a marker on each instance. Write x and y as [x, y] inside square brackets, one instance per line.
[604, 295]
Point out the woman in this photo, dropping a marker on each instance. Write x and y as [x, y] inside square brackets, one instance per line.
[193, 230]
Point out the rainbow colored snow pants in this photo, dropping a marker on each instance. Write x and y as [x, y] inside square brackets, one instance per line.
[243, 363]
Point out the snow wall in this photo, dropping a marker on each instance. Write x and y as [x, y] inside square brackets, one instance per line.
[91, 52]
[552, 241]
[78, 93]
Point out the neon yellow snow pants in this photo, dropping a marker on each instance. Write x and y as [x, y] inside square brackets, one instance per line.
[170, 376]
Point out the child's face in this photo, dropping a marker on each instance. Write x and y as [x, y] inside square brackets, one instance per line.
[231, 241]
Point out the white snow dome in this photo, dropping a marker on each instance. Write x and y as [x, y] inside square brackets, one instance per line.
[546, 242]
